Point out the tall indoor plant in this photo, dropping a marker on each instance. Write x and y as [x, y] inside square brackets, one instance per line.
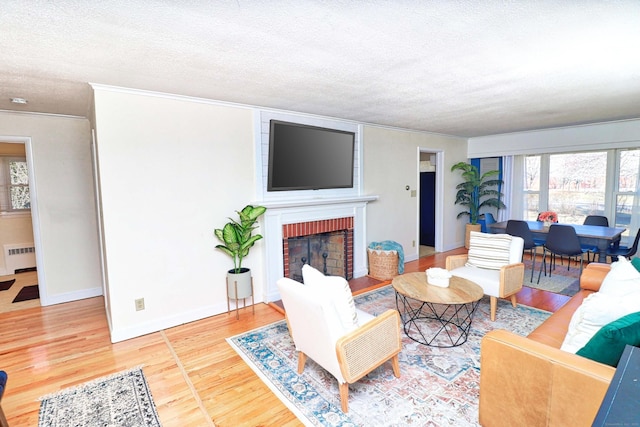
[475, 192]
[237, 238]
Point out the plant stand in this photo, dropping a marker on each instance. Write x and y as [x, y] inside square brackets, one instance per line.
[234, 296]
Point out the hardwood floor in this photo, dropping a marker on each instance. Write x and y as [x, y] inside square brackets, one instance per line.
[195, 377]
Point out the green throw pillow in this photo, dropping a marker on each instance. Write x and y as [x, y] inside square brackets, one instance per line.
[607, 345]
[636, 263]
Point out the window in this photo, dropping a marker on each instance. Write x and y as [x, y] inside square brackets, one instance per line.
[579, 184]
[15, 180]
[531, 187]
[627, 190]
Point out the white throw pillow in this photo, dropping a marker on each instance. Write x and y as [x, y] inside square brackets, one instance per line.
[489, 251]
[619, 295]
[337, 290]
[621, 280]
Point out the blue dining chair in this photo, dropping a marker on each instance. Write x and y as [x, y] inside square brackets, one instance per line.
[521, 229]
[625, 251]
[561, 240]
[600, 220]
[484, 223]
[3, 385]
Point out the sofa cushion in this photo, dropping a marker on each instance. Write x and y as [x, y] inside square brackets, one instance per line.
[337, 290]
[490, 251]
[623, 279]
[619, 296]
[609, 342]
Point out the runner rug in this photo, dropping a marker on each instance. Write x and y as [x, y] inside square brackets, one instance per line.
[561, 281]
[122, 399]
[438, 387]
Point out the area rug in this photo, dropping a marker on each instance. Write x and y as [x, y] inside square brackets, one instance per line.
[561, 281]
[6, 284]
[122, 399]
[27, 293]
[437, 387]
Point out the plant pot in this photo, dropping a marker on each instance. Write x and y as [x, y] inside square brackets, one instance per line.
[470, 227]
[239, 285]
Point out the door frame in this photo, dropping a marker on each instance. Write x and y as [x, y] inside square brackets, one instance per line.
[439, 214]
[35, 217]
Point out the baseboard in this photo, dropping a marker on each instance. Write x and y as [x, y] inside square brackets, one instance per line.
[49, 299]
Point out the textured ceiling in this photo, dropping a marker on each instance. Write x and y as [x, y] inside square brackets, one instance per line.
[465, 68]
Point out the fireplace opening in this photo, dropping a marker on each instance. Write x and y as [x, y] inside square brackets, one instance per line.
[326, 245]
[326, 252]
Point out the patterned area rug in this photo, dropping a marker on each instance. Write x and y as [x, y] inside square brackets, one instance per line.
[562, 281]
[437, 387]
[122, 399]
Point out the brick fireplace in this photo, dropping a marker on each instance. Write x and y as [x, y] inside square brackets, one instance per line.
[326, 245]
[299, 218]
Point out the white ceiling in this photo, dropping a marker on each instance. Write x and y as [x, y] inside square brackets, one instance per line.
[466, 68]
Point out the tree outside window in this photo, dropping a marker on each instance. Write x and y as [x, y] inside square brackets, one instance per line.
[16, 177]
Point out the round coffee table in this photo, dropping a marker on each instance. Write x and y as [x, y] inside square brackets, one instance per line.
[436, 316]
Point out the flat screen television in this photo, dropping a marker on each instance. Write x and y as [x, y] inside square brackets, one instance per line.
[303, 157]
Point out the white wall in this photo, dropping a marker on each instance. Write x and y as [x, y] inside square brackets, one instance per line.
[171, 171]
[68, 264]
[391, 162]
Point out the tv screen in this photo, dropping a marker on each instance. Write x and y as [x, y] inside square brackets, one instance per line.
[305, 157]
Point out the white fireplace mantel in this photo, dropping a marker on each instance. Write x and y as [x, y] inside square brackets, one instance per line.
[284, 212]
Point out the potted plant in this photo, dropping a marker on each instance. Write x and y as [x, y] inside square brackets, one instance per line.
[238, 238]
[477, 191]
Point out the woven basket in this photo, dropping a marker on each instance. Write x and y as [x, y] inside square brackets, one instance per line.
[383, 265]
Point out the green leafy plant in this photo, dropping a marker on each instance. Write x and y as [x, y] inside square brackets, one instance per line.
[477, 191]
[238, 236]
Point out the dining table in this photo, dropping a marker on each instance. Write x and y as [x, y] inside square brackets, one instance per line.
[591, 235]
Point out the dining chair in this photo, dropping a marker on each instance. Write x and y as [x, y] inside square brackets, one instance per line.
[486, 222]
[562, 240]
[594, 220]
[521, 229]
[3, 384]
[624, 251]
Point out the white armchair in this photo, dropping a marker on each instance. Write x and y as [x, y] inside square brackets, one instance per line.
[345, 341]
[494, 262]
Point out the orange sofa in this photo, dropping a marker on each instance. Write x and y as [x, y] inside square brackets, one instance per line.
[530, 381]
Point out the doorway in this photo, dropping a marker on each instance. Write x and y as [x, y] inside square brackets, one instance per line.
[19, 287]
[429, 204]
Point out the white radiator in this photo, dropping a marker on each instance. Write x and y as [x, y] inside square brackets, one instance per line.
[17, 256]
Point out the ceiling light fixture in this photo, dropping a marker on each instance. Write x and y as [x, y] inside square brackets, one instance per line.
[18, 100]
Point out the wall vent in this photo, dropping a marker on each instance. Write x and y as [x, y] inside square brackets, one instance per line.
[17, 256]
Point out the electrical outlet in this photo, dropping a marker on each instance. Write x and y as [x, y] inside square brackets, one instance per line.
[414, 243]
[140, 304]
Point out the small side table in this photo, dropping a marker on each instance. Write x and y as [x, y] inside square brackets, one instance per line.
[621, 404]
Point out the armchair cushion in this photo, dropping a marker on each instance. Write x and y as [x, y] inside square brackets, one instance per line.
[488, 279]
[608, 343]
[336, 290]
[490, 251]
